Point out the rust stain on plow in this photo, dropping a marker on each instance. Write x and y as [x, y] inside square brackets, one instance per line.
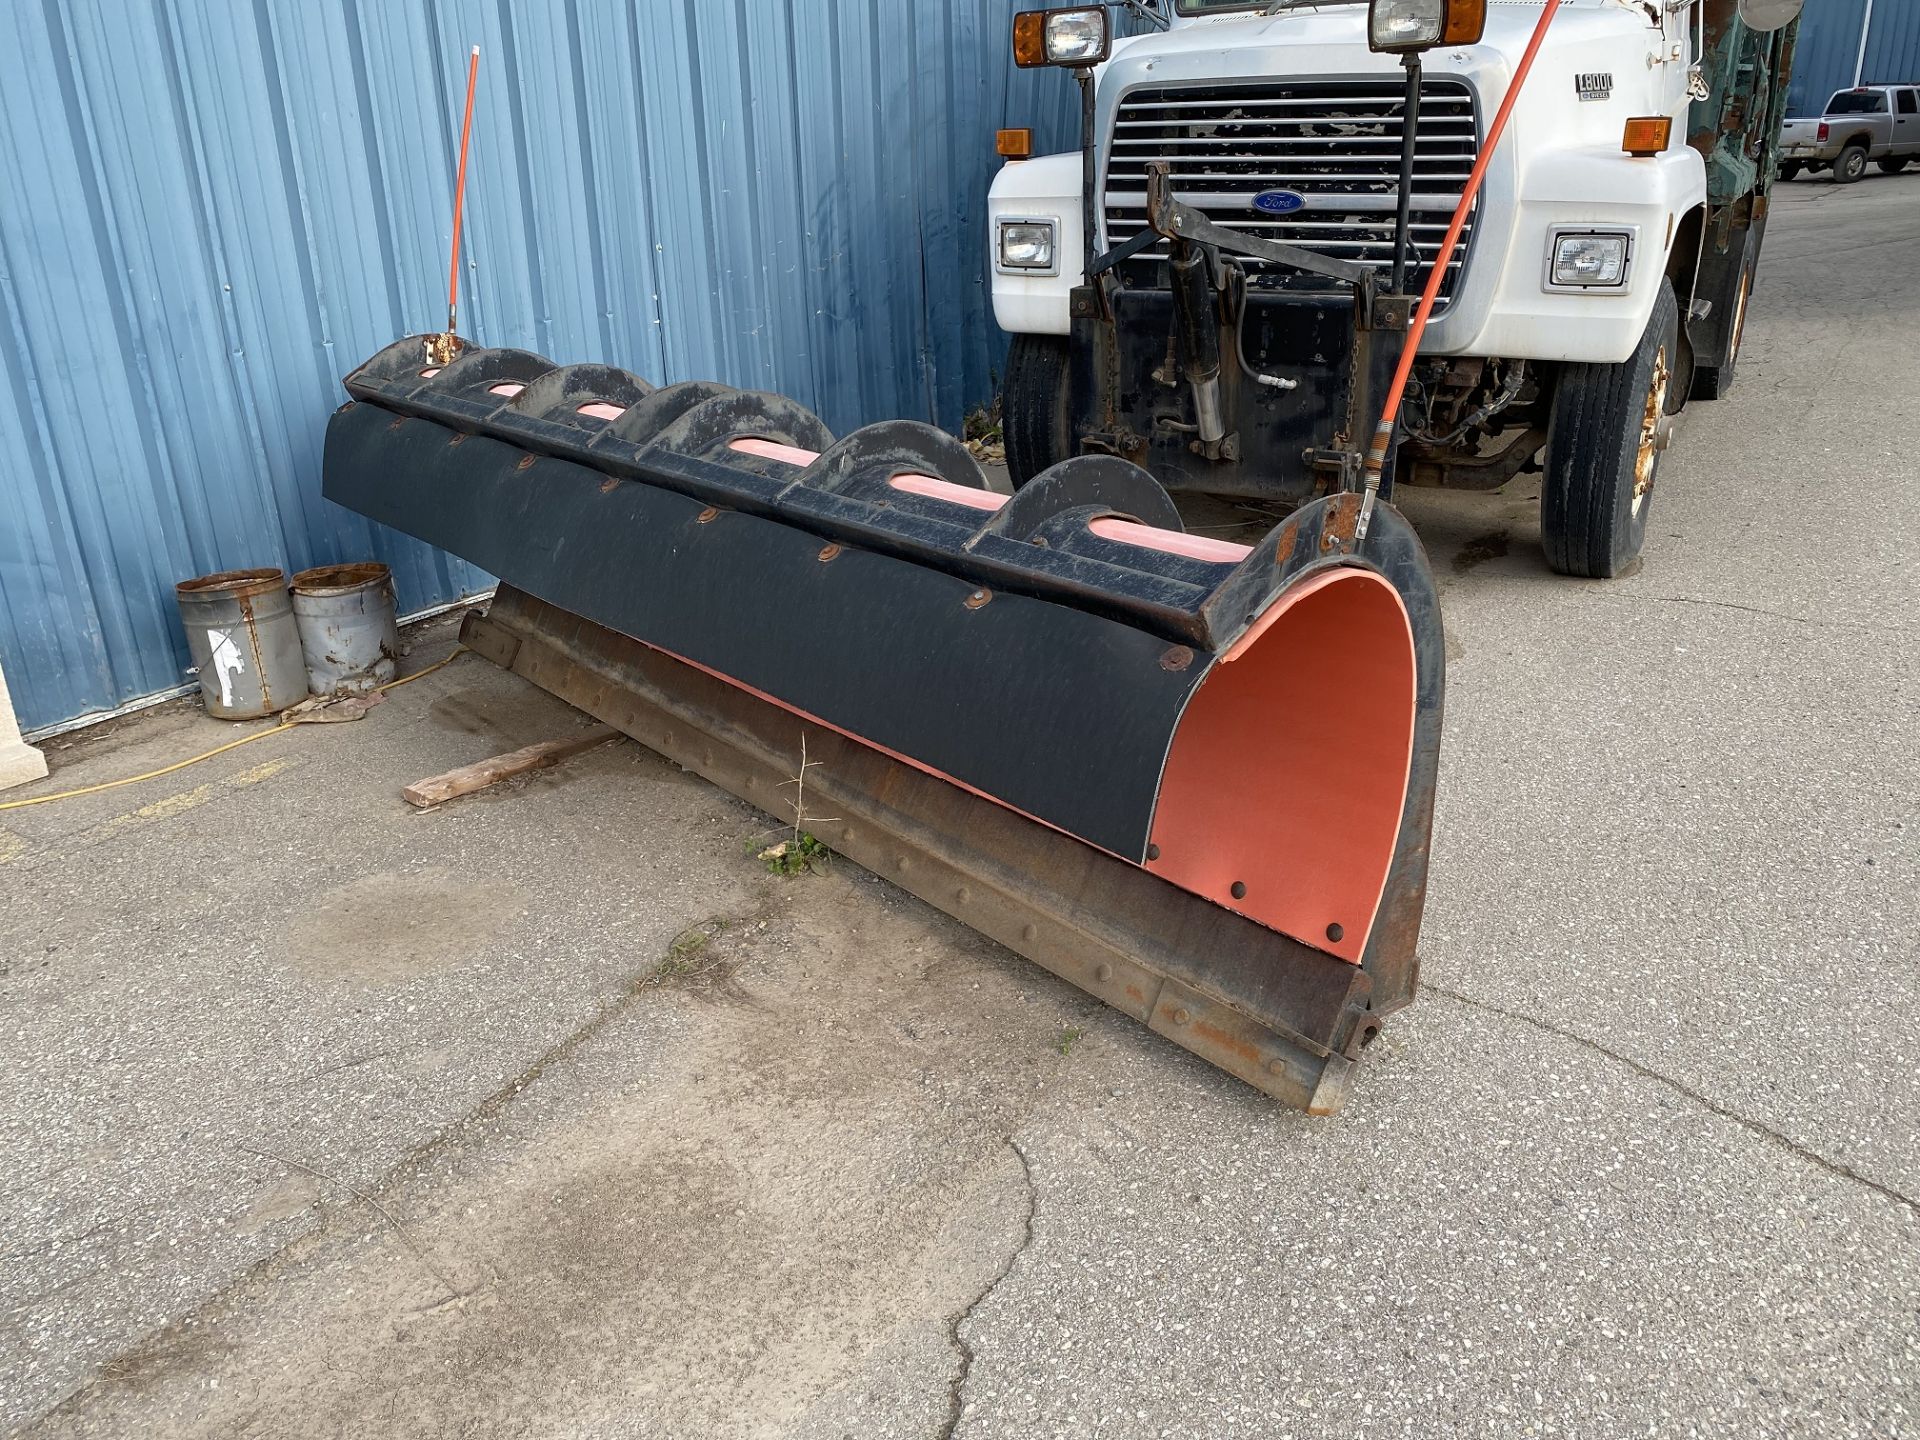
[1340, 521]
[1218, 1040]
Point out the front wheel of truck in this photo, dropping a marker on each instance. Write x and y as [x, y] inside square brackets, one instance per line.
[1033, 406]
[1608, 428]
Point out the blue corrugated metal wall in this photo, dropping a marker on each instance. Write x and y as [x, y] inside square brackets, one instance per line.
[1829, 45]
[211, 209]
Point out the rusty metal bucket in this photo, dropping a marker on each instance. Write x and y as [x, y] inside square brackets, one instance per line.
[347, 627]
[245, 644]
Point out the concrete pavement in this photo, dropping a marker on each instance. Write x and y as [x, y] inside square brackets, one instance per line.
[324, 1117]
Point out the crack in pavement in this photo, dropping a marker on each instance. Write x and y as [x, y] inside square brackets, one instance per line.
[1780, 615]
[604, 1014]
[1774, 1137]
[330, 1220]
[956, 1402]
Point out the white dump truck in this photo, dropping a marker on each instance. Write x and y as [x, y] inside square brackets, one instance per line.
[1600, 282]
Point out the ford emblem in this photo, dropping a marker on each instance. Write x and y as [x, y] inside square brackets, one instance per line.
[1279, 202]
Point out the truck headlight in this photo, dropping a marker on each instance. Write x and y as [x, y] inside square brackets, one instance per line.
[1026, 244]
[1589, 259]
[1076, 38]
[1396, 26]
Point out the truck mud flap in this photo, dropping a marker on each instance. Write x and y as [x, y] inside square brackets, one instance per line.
[1193, 778]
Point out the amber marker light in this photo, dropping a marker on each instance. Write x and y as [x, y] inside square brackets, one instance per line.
[1646, 134]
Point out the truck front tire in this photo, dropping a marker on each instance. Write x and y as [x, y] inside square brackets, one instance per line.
[1851, 165]
[1033, 406]
[1789, 169]
[1604, 441]
[1892, 164]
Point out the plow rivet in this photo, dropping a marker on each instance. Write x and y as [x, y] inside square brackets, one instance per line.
[526, 463]
[1027, 932]
[459, 439]
[828, 553]
[1182, 1015]
[1239, 889]
[398, 422]
[705, 515]
[1336, 931]
[1276, 1067]
[1103, 973]
[846, 834]
[1153, 852]
[963, 894]
[977, 599]
[1176, 658]
[899, 862]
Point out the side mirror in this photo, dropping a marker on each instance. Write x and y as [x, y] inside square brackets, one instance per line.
[1397, 27]
[1765, 15]
[1077, 38]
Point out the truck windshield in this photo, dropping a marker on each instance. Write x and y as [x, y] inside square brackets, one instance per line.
[1857, 102]
[1215, 7]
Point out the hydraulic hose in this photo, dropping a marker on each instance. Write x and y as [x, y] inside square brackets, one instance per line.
[1383, 436]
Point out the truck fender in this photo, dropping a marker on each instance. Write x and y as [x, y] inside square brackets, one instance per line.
[1044, 188]
[1571, 189]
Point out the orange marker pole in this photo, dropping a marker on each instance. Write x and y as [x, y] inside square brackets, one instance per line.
[1383, 437]
[460, 194]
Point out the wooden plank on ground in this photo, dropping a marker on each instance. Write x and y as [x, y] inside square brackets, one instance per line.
[437, 789]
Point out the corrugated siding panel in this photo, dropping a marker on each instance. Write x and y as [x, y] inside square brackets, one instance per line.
[1829, 45]
[1893, 47]
[210, 210]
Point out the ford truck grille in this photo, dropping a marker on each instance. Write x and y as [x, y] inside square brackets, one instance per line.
[1335, 143]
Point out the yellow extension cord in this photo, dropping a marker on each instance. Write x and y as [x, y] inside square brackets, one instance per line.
[217, 750]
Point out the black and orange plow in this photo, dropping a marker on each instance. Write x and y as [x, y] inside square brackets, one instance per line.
[1193, 778]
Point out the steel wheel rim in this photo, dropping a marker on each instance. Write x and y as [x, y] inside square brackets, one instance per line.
[1648, 456]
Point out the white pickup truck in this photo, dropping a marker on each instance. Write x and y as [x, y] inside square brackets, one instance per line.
[1880, 123]
[1600, 284]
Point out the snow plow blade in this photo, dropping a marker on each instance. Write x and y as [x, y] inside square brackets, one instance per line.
[1193, 778]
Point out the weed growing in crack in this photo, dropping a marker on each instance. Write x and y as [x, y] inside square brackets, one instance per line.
[799, 853]
[1069, 1035]
[689, 955]
[802, 850]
